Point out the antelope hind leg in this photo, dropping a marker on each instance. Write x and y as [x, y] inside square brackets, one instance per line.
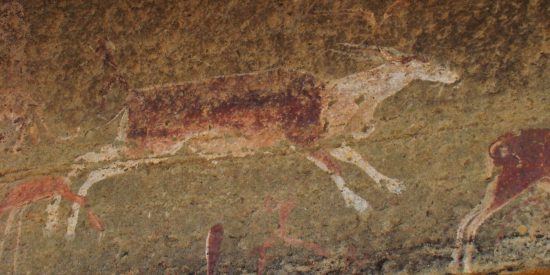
[347, 154]
[323, 161]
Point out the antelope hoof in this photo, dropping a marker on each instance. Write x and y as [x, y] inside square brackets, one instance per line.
[393, 185]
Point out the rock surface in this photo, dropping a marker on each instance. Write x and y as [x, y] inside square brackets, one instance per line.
[68, 67]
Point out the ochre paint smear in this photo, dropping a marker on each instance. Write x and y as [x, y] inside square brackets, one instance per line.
[213, 247]
[37, 189]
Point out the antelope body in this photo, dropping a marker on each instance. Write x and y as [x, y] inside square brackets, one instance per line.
[236, 115]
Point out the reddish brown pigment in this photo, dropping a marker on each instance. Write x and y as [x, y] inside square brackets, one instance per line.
[213, 247]
[328, 161]
[524, 158]
[37, 189]
[95, 221]
[281, 233]
[43, 188]
[289, 101]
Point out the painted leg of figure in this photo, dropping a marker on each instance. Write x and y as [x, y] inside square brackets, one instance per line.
[459, 244]
[52, 210]
[95, 176]
[478, 215]
[324, 162]
[485, 212]
[7, 229]
[18, 238]
[347, 154]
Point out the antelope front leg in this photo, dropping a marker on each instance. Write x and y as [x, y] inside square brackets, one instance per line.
[323, 161]
[347, 154]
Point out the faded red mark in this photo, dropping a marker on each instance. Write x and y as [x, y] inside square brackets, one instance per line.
[280, 100]
[325, 158]
[95, 221]
[213, 247]
[43, 188]
[284, 209]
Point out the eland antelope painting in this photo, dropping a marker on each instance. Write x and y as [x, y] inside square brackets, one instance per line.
[237, 115]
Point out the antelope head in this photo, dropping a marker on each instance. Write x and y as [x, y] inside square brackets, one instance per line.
[419, 67]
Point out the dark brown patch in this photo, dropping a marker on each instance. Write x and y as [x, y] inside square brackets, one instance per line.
[524, 158]
[289, 101]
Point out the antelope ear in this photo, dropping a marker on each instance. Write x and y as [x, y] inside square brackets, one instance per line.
[494, 149]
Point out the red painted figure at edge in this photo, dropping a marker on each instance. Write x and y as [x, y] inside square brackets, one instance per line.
[525, 161]
[213, 248]
[42, 188]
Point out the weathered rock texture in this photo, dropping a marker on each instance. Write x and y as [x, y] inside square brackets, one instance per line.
[70, 69]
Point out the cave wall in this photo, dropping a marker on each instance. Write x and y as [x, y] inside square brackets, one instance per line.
[263, 72]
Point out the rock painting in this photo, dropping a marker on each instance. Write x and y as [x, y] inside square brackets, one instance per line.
[237, 115]
[525, 161]
[283, 209]
[34, 190]
[213, 248]
[46, 56]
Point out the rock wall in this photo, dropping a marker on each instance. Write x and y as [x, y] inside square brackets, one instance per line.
[279, 136]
